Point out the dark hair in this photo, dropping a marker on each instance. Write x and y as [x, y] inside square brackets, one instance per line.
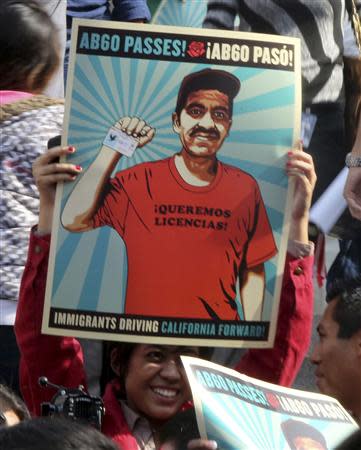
[29, 46]
[347, 312]
[293, 429]
[124, 353]
[10, 401]
[180, 429]
[46, 433]
[208, 79]
[353, 442]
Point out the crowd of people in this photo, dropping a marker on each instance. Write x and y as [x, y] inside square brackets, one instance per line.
[144, 388]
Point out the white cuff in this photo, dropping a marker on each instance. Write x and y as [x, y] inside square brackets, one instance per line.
[299, 249]
[120, 142]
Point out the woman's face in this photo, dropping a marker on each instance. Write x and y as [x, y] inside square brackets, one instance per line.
[155, 383]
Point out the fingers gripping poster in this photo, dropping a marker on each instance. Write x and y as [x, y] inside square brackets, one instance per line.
[176, 229]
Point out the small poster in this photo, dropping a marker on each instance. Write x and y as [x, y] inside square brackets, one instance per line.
[176, 229]
[240, 412]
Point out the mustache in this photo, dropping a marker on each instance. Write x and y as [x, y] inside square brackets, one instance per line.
[211, 132]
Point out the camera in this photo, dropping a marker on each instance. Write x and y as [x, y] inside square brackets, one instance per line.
[74, 404]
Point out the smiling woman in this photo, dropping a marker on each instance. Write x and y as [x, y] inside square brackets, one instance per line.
[154, 380]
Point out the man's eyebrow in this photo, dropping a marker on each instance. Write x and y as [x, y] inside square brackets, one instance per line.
[223, 108]
[193, 104]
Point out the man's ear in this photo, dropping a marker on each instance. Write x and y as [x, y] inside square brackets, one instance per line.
[176, 123]
[115, 361]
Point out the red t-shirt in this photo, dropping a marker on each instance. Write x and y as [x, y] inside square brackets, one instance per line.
[186, 245]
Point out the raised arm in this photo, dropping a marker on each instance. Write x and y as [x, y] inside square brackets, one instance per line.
[281, 363]
[352, 191]
[252, 289]
[58, 358]
[83, 202]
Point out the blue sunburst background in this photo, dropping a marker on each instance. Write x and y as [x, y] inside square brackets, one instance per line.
[91, 268]
[175, 12]
[237, 424]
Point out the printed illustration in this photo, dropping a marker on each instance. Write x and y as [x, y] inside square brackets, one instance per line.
[240, 412]
[181, 13]
[176, 228]
[302, 436]
[190, 204]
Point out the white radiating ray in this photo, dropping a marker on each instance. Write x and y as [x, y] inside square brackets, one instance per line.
[149, 99]
[91, 133]
[93, 114]
[276, 430]
[69, 290]
[188, 14]
[250, 420]
[263, 83]
[113, 283]
[170, 141]
[262, 431]
[175, 80]
[125, 70]
[279, 117]
[229, 418]
[268, 304]
[79, 122]
[272, 194]
[62, 234]
[114, 84]
[153, 103]
[164, 125]
[140, 83]
[94, 100]
[97, 81]
[152, 155]
[257, 153]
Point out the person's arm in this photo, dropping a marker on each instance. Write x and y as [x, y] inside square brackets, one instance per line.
[58, 358]
[281, 363]
[352, 190]
[252, 289]
[131, 11]
[84, 200]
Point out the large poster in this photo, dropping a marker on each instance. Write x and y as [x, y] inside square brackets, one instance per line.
[176, 230]
[240, 412]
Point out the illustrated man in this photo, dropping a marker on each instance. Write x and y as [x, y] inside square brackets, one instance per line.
[337, 355]
[195, 229]
[302, 436]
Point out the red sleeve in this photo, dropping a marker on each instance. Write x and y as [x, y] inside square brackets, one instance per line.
[58, 358]
[261, 246]
[113, 207]
[280, 364]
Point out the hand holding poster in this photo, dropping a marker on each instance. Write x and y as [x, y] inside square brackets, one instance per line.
[176, 228]
[240, 412]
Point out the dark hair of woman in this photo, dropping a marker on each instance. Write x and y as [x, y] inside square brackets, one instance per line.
[29, 46]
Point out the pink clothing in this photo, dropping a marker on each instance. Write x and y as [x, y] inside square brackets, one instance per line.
[13, 96]
[61, 358]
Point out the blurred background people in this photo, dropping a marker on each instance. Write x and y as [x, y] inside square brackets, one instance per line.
[53, 433]
[12, 408]
[57, 12]
[337, 355]
[149, 386]
[30, 55]
[120, 10]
